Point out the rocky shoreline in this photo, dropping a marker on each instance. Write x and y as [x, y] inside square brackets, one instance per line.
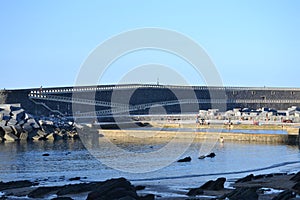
[16, 124]
[278, 186]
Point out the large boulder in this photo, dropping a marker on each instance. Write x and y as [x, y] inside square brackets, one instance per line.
[296, 177]
[285, 195]
[245, 179]
[114, 189]
[211, 155]
[78, 188]
[245, 193]
[296, 187]
[40, 192]
[15, 184]
[62, 198]
[214, 185]
[210, 185]
[186, 159]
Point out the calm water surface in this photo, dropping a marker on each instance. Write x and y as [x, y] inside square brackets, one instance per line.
[24, 160]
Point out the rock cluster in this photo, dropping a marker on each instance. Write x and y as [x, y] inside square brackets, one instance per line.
[296, 179]
[16, 124]
[118, 188]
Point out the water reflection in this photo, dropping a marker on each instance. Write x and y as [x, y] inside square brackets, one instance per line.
[24, 160]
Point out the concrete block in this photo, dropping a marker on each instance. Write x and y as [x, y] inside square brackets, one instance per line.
[14, 107]
[36, 137]
[12, 121]
[27, 128]
[31, 134]
[41, 133]
[18, 114]
[2, 132]
[7, 129]
[33, 123]
[17, 130]
[10, 137]
[50, 136]
[23, 135]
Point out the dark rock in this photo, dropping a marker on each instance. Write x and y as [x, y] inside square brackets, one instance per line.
[195, 192]
[296, 177]
[247, 193]
[285, 195]
[62, 198]
[74, 179]
[263, 190]
[114, 189]
[147, 197]
[245, 179]
[211, 155]
[210, 185]
[42, 191]
[15, 184]
[279, 174]
[259, 176]
[186, 159]
[296, 187]
[64, 190]
[46, 154]
[214, 185]
[78, 188]
[140, 187]
[269, 175]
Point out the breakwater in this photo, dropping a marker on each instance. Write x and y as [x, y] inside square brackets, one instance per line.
[16, 124]
[138, 135]
[143, 99]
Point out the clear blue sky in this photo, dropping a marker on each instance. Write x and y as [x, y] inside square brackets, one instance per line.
[252, 43]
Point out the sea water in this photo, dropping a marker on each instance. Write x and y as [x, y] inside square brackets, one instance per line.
[68, 159]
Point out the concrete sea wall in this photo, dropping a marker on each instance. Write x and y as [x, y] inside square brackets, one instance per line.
[160, 136]
[225, 98]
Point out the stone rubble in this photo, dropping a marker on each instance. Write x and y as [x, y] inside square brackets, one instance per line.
[16, 124]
